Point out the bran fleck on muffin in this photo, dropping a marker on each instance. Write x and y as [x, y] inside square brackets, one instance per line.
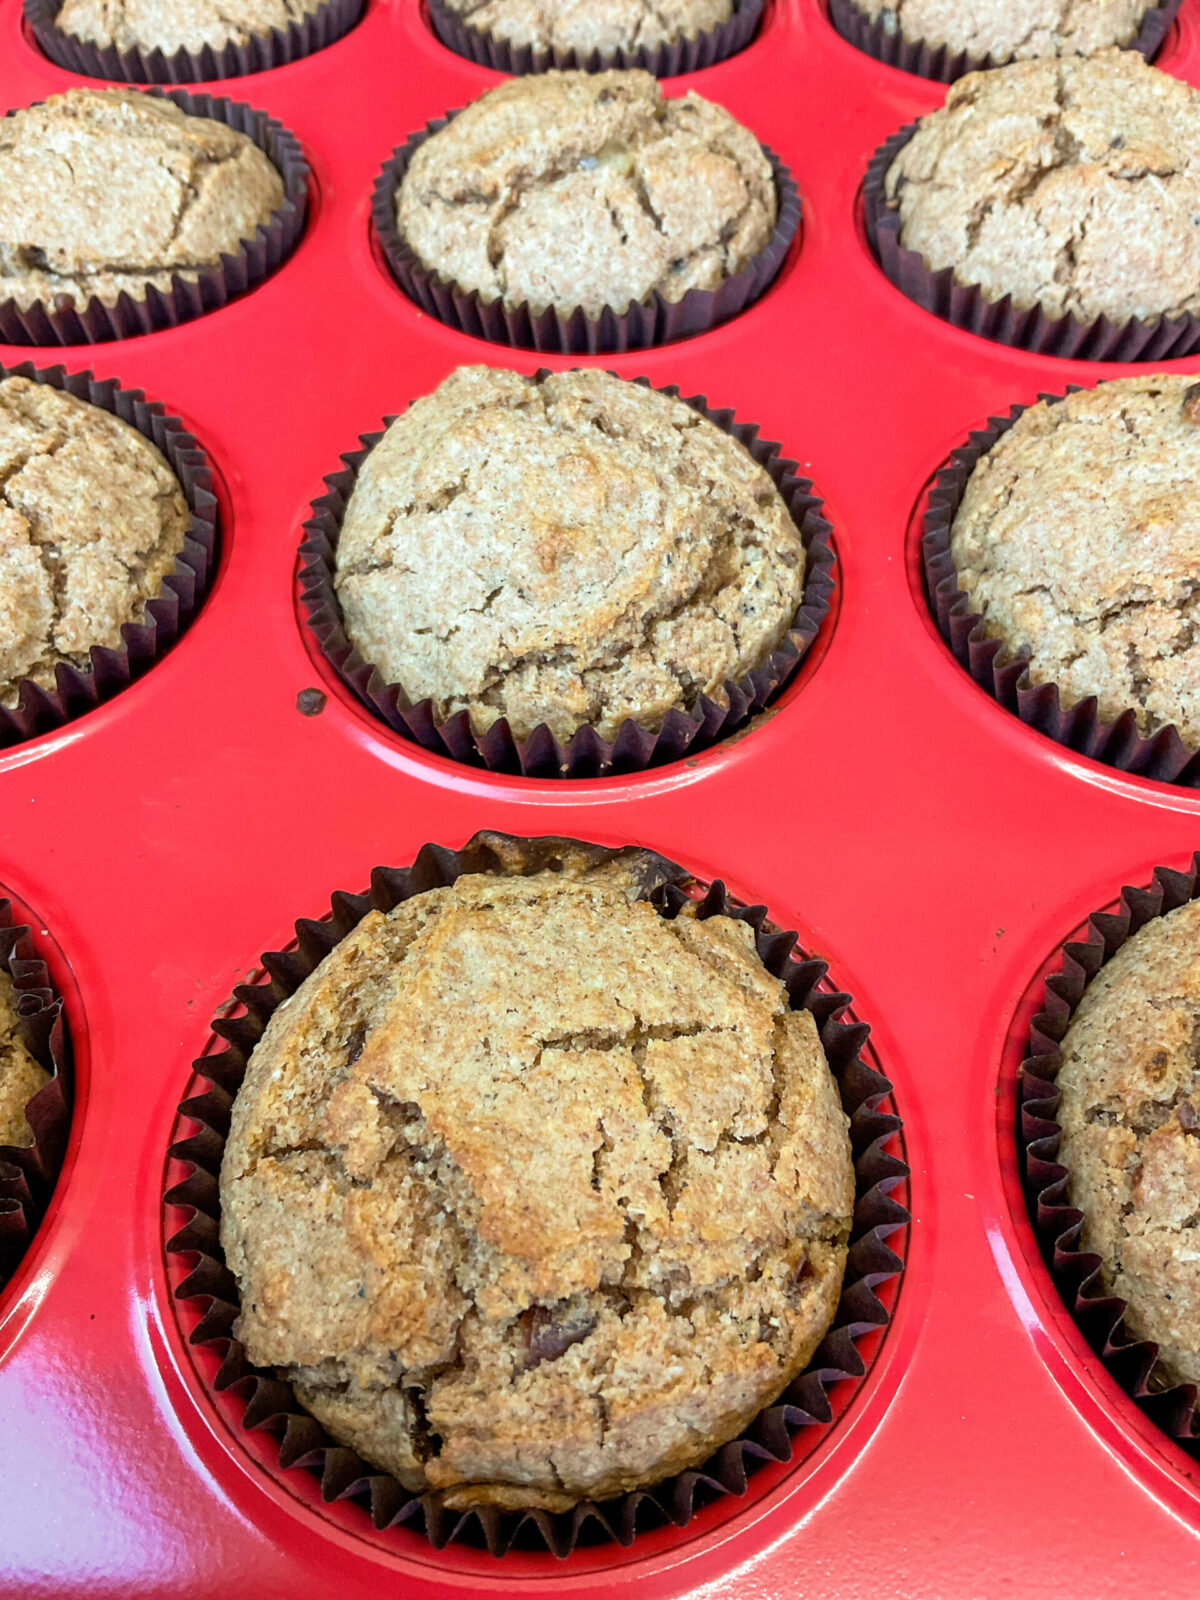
[171, 25]
[21, 1076]
[591, 26]
[571, 550]
[1078, 538]
[91, 520]
[572, 189]
[1073, 185]
[1130, 1115]
[534, 1195]
[109, 191]
[1011, 30]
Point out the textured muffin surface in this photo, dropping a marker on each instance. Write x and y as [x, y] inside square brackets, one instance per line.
[1009, 30]
[171, 25]
[91, 520]
[1072, 184]
[571, 189]
[21, 1076]
[576, 550]
[588, 26]
[1130, 1114]
[534, 1194]
[108, 191]
[1078, 537]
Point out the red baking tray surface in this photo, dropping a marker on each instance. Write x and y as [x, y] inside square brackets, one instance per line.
[932, 848]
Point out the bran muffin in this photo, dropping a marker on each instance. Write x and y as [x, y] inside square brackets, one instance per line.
[1130, 1115]
[171, 25]
[110, 191]
[1011, 30]
[534, 1195]
[91, 520]
[575, 189]
[1072, 185]
[1078, 538]
[591, 26]
[21, 1076]
[572, 550]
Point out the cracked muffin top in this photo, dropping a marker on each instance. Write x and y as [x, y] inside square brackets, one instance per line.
[1130, 1114]
[171, 25]
[1078, 537]
[21, 1076]
[535, 1195]
[91, 520]
[1069, 184]
[570, 550]
[571, 189]
[107, 191]
[592, 26]
[1012, 30]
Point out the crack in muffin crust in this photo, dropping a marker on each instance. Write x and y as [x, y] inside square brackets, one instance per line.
[1012, 29]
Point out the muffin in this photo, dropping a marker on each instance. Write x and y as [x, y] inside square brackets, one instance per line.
[1070, 185]
[171, 25]
[590, 27]
[1130, 1115]
[105, 192]
[20, 1075]
[91, 521]
[574, 189]
[1078, 539]
[1010, 30]
[566, 550]
[534, 1195]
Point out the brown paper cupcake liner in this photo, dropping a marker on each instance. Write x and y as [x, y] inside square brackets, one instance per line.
[1004, 674]
[1058, 1224]
[64, 322]
[943, 65]
[664, 61]
[965, 305]
[28, 1172]
[652, 321]
[585, 754]
[76, 689]
[270, 1403]
[260, 53]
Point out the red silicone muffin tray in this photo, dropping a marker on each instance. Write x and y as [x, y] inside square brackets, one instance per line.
[933, 849]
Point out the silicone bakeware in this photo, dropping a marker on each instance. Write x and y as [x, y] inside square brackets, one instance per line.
[927, 845]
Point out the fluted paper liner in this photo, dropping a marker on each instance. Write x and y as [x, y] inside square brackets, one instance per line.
[28, 1172]
[94, 322]
[1004, 674]
[943, 65]
[271, 1403]
[1058, 1224]
[262, 51]
[966, 306]
[167, 614]
[664, 61]
[585, 754]
[652, 321]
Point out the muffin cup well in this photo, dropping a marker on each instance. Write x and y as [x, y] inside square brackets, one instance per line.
[63, 322]
[1005, 674]
[966, 306]
[167, 614]
[271, 1403]
[943, 65]
[1057, 1223]
[664, 61]
[652, 321]
[28, 1172]
[585, 754]
[277, 48]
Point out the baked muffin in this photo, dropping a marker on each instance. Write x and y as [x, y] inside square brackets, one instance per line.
[1073, 185]
[109, 191]
[1130, 1114]
[534, 1195]
[571, 550]
[1078, 538]
[171, 25]
[591, 26]
[91, 520]
[572, 189]
[1011, 30]
[20, 1075]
